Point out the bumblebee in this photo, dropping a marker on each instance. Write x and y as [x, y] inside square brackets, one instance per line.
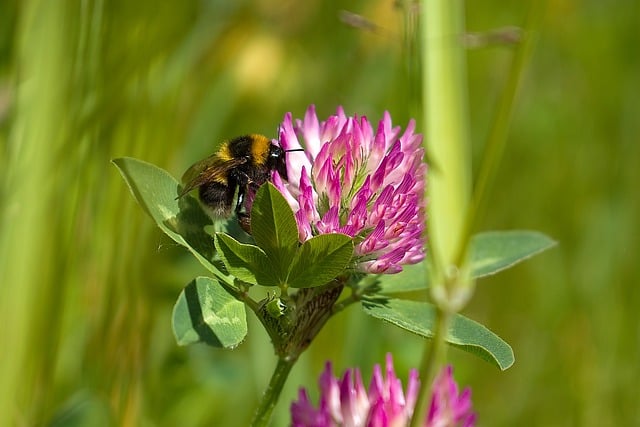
[241, 164]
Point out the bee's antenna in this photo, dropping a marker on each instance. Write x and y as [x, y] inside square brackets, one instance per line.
[294, 149]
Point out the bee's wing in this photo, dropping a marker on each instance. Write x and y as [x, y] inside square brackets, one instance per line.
[210, 169]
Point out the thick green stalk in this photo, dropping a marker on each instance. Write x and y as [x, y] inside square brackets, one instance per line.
[449, 186]
[447, 128]
[271, 395]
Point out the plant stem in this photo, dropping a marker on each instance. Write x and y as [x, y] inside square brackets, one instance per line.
[448, 149]
[292, 333]
[447, 127]
[430, 362]
[272, 393]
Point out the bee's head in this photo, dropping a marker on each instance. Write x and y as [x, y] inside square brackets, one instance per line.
[277, 160]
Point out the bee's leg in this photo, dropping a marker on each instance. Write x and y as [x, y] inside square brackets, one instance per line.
[242, 190]
[244, 219]
[243, 181]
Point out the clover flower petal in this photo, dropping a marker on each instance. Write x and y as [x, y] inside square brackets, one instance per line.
[448, 406]
[362, 182]
[346, 403]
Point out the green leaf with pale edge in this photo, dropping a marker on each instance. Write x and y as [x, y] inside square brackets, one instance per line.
[206, 312]
[491, 252]
[274, 228]
[319, 260]
[464, 333]
[494, 251]
[183, 220]
[248, 263]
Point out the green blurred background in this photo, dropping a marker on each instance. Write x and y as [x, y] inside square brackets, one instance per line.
[87, 282]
